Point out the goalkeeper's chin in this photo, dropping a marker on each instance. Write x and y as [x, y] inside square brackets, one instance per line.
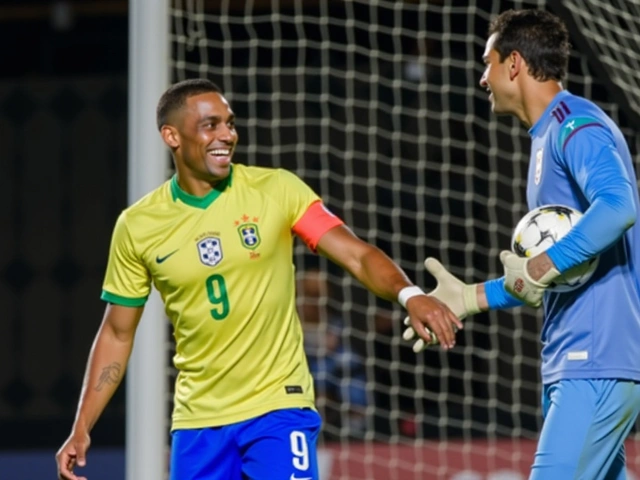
[498, 110]
[496, 107]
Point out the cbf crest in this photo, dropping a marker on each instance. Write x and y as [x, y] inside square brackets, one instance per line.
[249, 235]
[210, 251]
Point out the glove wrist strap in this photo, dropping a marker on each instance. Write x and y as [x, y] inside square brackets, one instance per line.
[545, 280]
[470, 298]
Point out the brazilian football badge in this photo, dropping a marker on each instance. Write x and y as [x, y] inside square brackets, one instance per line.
[249, 235]
[249, 232]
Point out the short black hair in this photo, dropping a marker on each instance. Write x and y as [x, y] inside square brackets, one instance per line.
[176, 95]
[539, 36]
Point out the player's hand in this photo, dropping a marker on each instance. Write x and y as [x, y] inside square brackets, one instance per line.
[420, 343]
[73, 452]
[432, 320]
[519, 283]
[460, 297]
[457, 295]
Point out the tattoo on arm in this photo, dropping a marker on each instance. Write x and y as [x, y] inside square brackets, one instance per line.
[110, 376]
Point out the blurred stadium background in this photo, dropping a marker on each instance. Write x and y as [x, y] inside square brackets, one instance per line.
[376, 104]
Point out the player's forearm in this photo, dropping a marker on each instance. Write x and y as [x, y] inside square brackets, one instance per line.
[365, 262]
[605, 221]
[380, 274]
[105, 370]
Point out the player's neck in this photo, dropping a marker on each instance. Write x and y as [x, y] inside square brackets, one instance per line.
[536, 99]
[195, 186]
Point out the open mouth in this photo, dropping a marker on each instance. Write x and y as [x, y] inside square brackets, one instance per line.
[221, 156]
[221, 152]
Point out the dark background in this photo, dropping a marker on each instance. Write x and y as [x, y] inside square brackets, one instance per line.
[63, 131]
[63, 137]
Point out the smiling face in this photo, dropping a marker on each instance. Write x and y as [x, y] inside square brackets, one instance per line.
[498, 78]
[202, 136]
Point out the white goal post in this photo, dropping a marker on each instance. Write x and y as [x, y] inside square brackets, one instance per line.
[146, 379]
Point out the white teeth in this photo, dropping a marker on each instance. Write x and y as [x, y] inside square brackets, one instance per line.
[220, 152]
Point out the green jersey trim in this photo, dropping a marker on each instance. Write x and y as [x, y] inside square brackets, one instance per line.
[199, 202]
[124, 301]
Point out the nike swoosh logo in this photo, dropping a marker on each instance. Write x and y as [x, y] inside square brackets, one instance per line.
[162, 259]
[293, 477]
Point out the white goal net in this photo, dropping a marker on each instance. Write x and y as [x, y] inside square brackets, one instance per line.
[611, 31]
[376, 105]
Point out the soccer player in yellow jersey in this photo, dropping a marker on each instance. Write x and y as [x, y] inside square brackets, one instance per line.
[217, 242]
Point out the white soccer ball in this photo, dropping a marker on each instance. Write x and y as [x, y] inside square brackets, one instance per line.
[543, 227]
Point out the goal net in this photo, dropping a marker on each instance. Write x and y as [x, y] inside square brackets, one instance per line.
[610, 31]
[376, 105]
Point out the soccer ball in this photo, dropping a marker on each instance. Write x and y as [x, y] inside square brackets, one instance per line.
[541, 228]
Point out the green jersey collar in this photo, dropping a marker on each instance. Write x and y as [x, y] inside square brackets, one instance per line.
[199, 202]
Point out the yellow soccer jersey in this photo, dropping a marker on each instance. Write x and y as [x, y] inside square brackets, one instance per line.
[223, 266]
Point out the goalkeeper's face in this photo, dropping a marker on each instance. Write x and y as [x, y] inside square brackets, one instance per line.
[206, 135]
[499, 80]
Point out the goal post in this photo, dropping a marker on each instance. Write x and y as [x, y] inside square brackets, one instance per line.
[146, 379]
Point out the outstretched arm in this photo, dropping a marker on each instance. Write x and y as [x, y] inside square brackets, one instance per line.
[105, 368]
[385, 278]
[462, 298]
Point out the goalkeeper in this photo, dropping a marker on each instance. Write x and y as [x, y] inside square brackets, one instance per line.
[590, 336]
[217, 242]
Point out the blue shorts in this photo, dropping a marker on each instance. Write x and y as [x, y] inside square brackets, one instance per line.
[278, 445]
[585, 425]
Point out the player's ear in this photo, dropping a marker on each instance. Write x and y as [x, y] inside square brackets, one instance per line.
[516, 64]
[170, 136]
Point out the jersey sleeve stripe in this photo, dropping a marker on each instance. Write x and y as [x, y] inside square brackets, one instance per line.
[124, 301]
[568, 137]
[314, 223]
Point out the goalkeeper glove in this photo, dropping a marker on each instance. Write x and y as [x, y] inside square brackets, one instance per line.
[519, 283]
[455, 294]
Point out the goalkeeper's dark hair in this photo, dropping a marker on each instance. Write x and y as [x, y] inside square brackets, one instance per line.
[176, 96]
[538, 36]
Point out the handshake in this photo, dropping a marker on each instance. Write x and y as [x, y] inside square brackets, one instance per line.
[462, 299]
[455, 294]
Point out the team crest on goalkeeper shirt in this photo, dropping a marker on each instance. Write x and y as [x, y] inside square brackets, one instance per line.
[249, 235]
[210, 251]
[538, 172]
